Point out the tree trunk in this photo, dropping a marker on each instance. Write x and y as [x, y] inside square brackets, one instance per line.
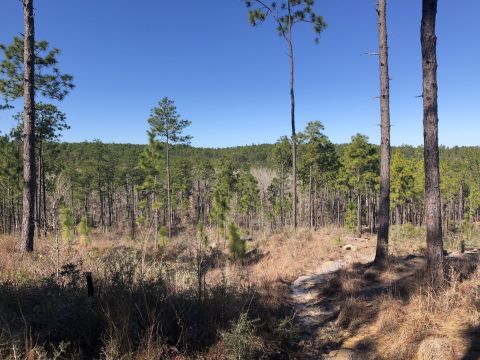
[292, 117]
[28, 225]
[430, 133]
[384, 205]
[310, 199]
[359, 215]
[169, 200]
[282, 196]
[102, 219]
[461, 205]
[156, 215]
[133, 211]
[338, 210]
[38, 195]
[315, 206]
[44, 198]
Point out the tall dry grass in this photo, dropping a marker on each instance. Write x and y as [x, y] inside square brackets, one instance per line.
[149, 304]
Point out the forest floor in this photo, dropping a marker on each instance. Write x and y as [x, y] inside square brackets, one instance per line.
[313, 311]
[346, 308]
[303, 295]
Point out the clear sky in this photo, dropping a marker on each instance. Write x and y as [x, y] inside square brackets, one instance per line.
[231, 80]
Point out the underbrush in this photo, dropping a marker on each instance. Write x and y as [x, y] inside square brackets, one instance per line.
[406, 239]
[409, 239]
[146, 305]
[392, 313]
[450, 316]
[182, 302]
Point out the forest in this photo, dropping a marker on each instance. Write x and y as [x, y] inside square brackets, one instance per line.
[302, 248]
[114, 186]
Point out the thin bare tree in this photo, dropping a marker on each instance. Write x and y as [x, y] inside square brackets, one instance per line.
[286, 14]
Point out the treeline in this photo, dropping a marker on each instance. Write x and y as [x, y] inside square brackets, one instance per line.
[119, 188]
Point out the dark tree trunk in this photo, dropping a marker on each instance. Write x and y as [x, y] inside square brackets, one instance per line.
[28, 224]
[384, 205]
[169, 198]
[430, 132]
[292, 118]
[398, 216]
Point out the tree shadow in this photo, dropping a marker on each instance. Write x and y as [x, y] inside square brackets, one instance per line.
[123, 313]
[473, 336]
[352, 296]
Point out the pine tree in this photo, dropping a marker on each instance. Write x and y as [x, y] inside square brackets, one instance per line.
[236, 245]
[28, 222]
[282, 163]
[49, 124]
[225, 186]
[381, 254]
[167, 126]
[359, 170]
[84, 231]
[23, 72]
[249, 196]
[152, 166]
[66, 223]
[318, 162]
[286, 15]
[433, 213]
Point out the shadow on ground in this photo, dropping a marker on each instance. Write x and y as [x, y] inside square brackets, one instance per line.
[349, 299]
[129, 318]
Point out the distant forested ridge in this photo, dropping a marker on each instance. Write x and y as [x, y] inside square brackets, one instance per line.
[338, 184]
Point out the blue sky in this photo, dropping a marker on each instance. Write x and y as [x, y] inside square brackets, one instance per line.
[231, 80]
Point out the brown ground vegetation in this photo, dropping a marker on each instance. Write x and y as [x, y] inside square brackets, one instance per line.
[150, 304]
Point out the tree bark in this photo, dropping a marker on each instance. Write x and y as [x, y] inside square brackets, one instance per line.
[28, 224]
[381, 254]
[169, 199]
[292, 118]
[310, 198]
[282, 196]
[430, 133]
[44, 196]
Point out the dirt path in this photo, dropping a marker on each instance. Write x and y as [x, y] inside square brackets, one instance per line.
[311, 312]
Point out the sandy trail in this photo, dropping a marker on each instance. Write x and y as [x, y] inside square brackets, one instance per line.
[311, 312]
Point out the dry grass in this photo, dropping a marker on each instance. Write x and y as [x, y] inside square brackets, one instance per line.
[146, 305]
[394, 314]
[288, 255]
[384, 313]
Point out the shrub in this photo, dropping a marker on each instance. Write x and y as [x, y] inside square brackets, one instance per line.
[240, 341]
[236, 245]
[84, 231]
[163, 236]
[351, 217]
[66, 223]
